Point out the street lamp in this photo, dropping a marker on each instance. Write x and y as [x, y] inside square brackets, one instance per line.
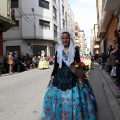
[34, 23]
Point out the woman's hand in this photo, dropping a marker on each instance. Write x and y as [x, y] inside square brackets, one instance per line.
[52, 78]
[117, 62]
[81, 81]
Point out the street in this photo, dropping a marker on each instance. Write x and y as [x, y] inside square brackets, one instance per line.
[21, 95]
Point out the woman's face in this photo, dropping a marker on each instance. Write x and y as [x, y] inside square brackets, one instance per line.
[65, 39]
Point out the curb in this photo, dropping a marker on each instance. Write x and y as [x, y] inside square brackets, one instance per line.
[2, 75]
[110, 96]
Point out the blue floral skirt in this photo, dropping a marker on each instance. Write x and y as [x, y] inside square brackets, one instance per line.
[77, 103]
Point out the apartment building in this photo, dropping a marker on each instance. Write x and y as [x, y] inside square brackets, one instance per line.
[70, 22]
[37, 25]
[82, 41]
[86, 47]
[108, 14]
[6, 21]
[77, 34]
[95, 39]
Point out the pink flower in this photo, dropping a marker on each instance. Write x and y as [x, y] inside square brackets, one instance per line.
[55, 99]
[56, 90]
[65, 113]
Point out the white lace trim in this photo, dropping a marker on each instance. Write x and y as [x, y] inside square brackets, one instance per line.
[61, 48]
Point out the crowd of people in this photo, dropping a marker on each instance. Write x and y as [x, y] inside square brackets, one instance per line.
[15, 62]
[111, 60]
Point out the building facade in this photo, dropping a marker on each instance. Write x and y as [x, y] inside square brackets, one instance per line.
[108, 13]
[6, 21]
[82, 42]
[96, 40]
[77, 34]
[69, 17]
[37, 25]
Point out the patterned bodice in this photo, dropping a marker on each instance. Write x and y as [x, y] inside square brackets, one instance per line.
[64, 78]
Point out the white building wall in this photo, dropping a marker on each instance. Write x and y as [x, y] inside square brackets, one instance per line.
[25, 34]
[69, 17]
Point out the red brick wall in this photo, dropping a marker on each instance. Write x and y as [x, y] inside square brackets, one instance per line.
[111, 30]
[1, 43]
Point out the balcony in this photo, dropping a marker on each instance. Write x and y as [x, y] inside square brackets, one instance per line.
[111, 5]
[96, 46]
[97, 40]
[6, 23]
[101, 31]
[106, 18]
[76, 41]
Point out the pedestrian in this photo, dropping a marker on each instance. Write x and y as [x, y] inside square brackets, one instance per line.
[6, 65]
[110, 59]
[65, 98]
[117, 61]
[92, 62]
[22, 62]
[16, 60]
[34, 61]
[10, 62]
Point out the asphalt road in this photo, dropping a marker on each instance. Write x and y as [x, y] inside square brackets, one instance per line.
[21, 95]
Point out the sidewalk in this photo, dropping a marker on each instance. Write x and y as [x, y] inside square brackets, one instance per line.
[110, 90]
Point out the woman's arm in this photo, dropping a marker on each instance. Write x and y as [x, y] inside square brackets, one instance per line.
[115, 50]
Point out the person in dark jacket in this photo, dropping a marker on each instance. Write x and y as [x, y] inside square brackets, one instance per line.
[16, 60]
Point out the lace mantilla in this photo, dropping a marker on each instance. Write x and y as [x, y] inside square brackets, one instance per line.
[61, 48]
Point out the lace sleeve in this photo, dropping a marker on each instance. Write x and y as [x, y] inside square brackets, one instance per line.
[56, 65]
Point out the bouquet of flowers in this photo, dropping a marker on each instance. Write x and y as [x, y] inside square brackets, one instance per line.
[79, 70]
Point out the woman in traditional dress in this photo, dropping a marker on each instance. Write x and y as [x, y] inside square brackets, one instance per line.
[43, 63]
[65, 98]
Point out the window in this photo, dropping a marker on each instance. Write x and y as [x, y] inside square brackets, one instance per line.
[44, 4]
[16, 27]
[39, 48]
[76, 27]
[62, 9]
[54, 13]
[13, 48]
[14, 4]
[63, 23]
[54, 1]
[76, 34]
[44, 24]
[55, 31]
[52, 51]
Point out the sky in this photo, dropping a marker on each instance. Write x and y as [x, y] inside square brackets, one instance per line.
[85, 14]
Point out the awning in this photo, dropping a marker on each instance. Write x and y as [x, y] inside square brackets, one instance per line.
[97, 40]
[6, 23]
[101, 32]
[111, 5]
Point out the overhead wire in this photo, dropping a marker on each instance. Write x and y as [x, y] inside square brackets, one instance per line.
[24, 17]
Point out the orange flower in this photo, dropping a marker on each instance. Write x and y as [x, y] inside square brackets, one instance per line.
[81, 64]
